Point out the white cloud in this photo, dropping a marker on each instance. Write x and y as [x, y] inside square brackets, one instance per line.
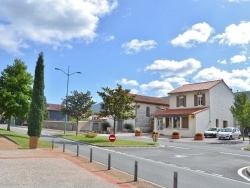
[237, 79]
[223, 62]
[134, 91]
[135, 46]
[238, 59]
[235, 34]
[237, 1]
[124, 81]
[199, 33]
[174, 68]
[162, 88]
[50, 22]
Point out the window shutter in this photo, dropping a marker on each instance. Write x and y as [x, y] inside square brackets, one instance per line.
[203, 99]
[177, 101]
[184, 101]
[195, 100]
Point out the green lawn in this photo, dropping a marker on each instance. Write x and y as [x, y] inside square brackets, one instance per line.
[247, 148]
[23, 140]
[104, 141]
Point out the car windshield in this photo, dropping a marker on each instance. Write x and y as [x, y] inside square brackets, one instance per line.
[212, 129]
[226, 130]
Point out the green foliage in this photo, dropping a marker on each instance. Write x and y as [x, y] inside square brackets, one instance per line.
[137, 130]
[15, 91]
[175, 132]
[90, 135]
[36, 115]
[128, 126]
[117, 104]
[78, 105]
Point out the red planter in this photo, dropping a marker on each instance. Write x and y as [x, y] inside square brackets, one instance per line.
[138, 133]
[176, 136]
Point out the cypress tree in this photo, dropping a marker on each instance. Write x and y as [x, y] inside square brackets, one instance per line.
[36, 115]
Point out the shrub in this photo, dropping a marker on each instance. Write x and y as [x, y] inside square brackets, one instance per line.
[175, 132]
[90, 135]
[155, 132]
[105, 125]
[128, 126]
[137, 130]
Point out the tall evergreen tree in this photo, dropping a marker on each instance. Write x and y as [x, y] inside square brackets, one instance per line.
[36, 115]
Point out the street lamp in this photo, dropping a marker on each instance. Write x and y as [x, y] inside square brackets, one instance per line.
[68, 75]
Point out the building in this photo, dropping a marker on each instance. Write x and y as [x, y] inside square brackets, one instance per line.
[195, 108]
[55, 113]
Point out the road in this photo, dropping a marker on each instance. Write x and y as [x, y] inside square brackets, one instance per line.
[210, 164]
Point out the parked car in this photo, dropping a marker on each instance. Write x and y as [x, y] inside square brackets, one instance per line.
[212, 132]
[229, 133]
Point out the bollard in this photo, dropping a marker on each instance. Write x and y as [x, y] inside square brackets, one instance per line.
[63, 146]
[175, 179]
[136, 171]
[109, 161]
[77, 150]
[53, 144]
[90, 158]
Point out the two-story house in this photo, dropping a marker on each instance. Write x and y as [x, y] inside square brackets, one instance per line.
[195, 108]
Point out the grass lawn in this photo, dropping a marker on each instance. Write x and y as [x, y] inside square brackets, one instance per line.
[247, 148]
[104, 141]
[23, 140]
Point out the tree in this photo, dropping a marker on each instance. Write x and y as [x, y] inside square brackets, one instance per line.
[36, 115]
[241, 110]
[118, 104]
[15, 91]
[78, 105]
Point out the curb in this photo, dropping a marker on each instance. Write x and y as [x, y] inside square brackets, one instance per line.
[10, 139]
[248, 171]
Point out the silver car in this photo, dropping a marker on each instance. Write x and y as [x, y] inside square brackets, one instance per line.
[229, 133]
[212, 132]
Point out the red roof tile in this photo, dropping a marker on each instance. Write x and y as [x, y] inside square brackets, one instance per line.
[183, 111]
[196, 86]
[152, 100]
[55, 107]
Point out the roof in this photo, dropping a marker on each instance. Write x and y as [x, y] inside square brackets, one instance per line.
[151, 100]
[183, 111]
[197, 86]
[54, 107]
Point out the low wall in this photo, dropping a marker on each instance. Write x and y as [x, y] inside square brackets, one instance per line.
[70, 126]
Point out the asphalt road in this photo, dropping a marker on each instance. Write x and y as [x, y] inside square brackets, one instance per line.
[210, 164]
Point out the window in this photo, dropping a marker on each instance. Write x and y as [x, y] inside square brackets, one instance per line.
[199, 99]
[168, 122]
[147, 111]
[184, 122]
[181, 101]
[176, 122]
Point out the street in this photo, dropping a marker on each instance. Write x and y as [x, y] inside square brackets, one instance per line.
[211, 163]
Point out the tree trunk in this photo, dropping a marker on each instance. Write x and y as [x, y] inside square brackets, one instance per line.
[114, 126]
[76, 126]
[243, 134]
[8, 126]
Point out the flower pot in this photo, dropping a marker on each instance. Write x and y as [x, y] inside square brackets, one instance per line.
[33, 142]
[175, 136]
[138, 133]
[198, 137]
[153, 134]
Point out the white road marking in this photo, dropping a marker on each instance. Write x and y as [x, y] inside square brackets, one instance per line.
[241, 174]
[176, 147]
[186, 155]
[235, 154]
[217, 175]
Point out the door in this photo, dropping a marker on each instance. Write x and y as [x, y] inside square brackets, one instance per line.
[95, 127]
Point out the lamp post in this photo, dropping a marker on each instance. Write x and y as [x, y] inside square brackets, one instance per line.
[68, 75]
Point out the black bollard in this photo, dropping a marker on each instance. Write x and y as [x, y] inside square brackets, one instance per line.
[109, 161]
[53, 144]
[136, 171]
[90, 158]
[77, 152]
[175, 179]
[63, 146]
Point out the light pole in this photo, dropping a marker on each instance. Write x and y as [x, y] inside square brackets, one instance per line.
[68, 75]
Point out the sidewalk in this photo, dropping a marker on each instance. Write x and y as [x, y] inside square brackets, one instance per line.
[53, 168]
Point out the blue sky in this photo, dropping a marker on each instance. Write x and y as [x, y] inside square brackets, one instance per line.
[148, 46]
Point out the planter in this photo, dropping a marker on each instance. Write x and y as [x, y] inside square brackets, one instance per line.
[153, 134]
[176, 136]
[33, 142]
[198, 137]
[138, 133]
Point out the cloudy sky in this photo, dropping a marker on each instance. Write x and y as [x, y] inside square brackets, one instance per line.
[150, 47]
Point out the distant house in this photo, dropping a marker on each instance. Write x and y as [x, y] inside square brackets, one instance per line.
[195, 108]
[55, 113]
[144, 114]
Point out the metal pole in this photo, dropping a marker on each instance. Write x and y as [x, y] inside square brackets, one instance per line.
[77, 153]
[109, 161]
[90, 158]
[136, 171]
[175, 179]
[63, 146]
[53, 144]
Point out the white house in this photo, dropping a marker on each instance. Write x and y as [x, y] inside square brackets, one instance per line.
[195, 108]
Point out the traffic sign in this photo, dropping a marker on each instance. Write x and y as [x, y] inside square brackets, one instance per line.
[112, 138]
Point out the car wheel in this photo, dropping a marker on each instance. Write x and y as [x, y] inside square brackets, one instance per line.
[219, 138]
[239, 137]
[205, 136]
[230, 138]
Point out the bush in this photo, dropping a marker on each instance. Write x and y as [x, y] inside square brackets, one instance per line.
[175, 132]
[90, 135]
[128, 126]
[137, 130]
[199, 134]
[105, 125]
